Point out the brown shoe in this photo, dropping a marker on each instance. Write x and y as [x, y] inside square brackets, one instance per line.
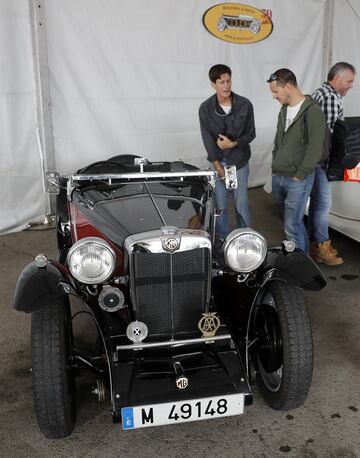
[333, 249]
[313, 248]
[323, 253]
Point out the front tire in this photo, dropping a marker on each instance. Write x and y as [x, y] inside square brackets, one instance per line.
[283, 346]
[53, 378]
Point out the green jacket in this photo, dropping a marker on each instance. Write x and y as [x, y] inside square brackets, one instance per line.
[297, 151]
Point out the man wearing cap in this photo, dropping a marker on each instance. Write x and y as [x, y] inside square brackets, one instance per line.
[297, 149]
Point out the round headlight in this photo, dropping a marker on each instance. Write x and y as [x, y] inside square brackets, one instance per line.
[244, 250]
[91, 260]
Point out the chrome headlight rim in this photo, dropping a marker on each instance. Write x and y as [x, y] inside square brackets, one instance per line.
[95, 241]
[235, 234]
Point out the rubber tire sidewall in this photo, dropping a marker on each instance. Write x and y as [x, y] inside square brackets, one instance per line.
[53, 382]
[297, 348]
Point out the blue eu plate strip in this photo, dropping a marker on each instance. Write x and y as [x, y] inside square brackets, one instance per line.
[127, 414]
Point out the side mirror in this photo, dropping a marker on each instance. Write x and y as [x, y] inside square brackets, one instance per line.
[230, 177]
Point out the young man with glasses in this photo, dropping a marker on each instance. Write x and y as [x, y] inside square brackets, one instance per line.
[297, 149]
[329, 96]
[227, 128]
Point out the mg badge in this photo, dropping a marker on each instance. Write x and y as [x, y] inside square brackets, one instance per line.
[209, 324]
[136, 331]
[171, 244]
[182, 382]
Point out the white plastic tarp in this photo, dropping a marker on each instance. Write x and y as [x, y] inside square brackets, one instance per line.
[21, 189]
[128, 77]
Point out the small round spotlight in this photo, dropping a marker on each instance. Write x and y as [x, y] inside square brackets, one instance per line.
[40, 261]
[111, 299]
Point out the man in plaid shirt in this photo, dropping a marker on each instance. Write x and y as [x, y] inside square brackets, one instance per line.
[329, 97]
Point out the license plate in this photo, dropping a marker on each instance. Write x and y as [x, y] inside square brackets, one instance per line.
[182, 411]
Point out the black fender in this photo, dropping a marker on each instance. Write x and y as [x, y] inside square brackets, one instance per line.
[38, 287]
[296, 268]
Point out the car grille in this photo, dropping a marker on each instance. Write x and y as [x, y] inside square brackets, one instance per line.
[170, 290]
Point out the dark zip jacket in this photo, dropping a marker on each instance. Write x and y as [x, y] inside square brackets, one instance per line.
[297, 151]
[238, 126]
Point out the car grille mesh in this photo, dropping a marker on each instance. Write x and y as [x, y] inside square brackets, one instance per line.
[153, 274]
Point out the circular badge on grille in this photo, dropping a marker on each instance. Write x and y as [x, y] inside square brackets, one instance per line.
[136, 331]
[171, 244]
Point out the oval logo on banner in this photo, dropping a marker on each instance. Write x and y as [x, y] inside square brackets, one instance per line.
[237, 23]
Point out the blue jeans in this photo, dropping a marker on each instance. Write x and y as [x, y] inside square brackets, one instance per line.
[240, 203]
[320, 204]
[291, 196]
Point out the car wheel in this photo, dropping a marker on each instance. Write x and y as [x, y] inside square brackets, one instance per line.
[283, 347]
[53, 377]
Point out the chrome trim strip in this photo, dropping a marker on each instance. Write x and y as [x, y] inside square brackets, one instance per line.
[126, 177]
[131, 279]
[73, 221]
[173, 343]
[137, 175]
[151, 240]
[172, 295]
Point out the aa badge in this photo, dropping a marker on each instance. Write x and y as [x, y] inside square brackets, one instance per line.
[209, 324]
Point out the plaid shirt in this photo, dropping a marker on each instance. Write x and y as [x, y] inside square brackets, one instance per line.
[331, 104]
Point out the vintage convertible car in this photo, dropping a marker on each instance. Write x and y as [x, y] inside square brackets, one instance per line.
[185, 324]
[241, 22]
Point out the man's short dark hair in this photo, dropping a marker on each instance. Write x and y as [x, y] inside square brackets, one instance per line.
[338, 68]
[283, 76]
[217, 70]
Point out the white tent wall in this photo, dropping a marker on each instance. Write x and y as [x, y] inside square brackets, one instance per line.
[128, 77]
[21, 190]
[346, 38]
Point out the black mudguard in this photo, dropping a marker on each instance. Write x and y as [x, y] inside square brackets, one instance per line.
[37, 287]
[296, 268]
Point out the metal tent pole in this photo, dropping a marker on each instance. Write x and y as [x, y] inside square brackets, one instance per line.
[45, 128]
[328, 37]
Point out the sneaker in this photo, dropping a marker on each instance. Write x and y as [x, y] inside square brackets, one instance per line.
[323, 253]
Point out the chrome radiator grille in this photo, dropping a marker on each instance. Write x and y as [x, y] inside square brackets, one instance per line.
[170, 290]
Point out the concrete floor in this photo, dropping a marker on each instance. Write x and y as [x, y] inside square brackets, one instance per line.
[328, 425]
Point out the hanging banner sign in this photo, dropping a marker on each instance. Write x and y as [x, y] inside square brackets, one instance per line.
[237, 23]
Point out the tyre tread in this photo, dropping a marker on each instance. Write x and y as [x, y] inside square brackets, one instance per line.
[297, 349]
[53, 407]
